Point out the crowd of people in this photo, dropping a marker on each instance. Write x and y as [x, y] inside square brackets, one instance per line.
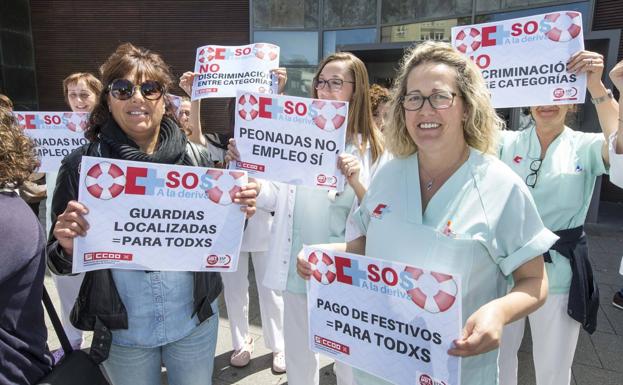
[504, 209]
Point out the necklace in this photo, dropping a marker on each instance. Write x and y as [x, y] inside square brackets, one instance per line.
[430, 180]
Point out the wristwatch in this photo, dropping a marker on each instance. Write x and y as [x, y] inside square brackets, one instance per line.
[602, 99]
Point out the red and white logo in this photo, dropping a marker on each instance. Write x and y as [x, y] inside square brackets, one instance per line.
[230, 183]
[517, 159]
[105, 180]
[324, 268]
[330, 116]
[222, 260]
[248, 107]
[206, 55]
[433, 292]
[75, 122]
[468, 40]
[264, 51]
[565, 26]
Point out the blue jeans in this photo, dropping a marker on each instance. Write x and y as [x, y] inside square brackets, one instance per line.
[189, 361]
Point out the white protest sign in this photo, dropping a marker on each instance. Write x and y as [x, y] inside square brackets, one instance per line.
[389, 319]
[524, 60]
[221, 70]
[291, 140]
[148, 216]
[56, 134]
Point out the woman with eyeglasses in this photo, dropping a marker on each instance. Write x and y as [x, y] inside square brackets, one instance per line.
[559, 165]
[451, 206]
[306, 215]
[140, 319]
[81, 90]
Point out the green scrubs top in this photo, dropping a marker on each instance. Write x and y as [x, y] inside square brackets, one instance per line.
[564, 183]
[481, 224]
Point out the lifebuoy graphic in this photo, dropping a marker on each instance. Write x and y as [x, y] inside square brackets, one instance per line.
[265, 51]
[206, 55]
[468, 40]
[565, 26]
[324, 268]
[248, 107]
[433, 292]
[329, 116]
[76, 122]
[105, 180]
[230, 182]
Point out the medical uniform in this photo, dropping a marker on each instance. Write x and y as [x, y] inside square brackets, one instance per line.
[304, 216]
[616, 162]
[236, 291]
[562, 193]
[481, 224]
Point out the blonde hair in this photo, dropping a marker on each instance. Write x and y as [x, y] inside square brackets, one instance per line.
[482, 125]
[359, 112]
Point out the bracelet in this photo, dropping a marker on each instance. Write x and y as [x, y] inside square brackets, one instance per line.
[603, 98]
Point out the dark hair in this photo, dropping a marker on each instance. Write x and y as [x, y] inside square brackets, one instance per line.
[378, 96]
[92, 82]
[17, 156]
[125, 60]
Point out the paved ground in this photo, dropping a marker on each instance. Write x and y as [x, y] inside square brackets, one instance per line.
[598, 358]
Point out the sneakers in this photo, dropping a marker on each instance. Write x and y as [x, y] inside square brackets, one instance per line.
[241, 357]
[279, 362]
[617, 300]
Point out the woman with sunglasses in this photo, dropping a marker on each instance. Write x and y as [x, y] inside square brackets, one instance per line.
[305, 215]
[559, 166]
[81, 90]
[452, 206]
[140, 319]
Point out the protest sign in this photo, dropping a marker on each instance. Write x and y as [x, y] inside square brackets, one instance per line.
[221, 70]
[148, 216]
[524, 60]
[389, 319]
[290, 139]
[56, 134]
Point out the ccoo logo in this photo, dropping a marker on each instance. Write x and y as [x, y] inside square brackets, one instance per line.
[105, 180]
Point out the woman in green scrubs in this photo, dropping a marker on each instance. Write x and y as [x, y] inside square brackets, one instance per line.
[452, 206]
[560, 165]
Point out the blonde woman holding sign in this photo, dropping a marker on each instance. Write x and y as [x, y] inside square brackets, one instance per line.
[449, 205]
[305, 215]
[560, 165]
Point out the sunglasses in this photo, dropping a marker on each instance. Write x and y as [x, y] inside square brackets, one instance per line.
[123, 89]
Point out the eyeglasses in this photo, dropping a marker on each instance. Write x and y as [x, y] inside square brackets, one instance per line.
[531, 178]
[123, 89]
[438, 100]
[334, 84]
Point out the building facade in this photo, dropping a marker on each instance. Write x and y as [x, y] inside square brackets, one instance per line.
[42, 41]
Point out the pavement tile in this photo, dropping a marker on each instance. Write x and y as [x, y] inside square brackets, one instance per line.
[610, 351]
[587, 375]
[585, 352]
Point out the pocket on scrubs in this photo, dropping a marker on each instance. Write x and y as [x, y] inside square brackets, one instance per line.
[571, 192]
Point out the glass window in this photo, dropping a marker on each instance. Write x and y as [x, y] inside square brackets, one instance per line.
[347, 36]
[297, 48]
[583, 8]
[494, 5]
[429, 30]
[299, 81]
[397, 11]
[285, 13]
[349, 13]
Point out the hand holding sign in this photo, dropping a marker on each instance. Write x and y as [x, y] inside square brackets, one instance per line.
[590, 63]
[71, 224]
[482, 332]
